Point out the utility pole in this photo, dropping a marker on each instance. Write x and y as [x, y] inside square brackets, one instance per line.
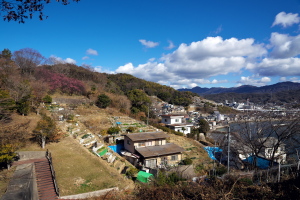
[148, 114]
[228, 150]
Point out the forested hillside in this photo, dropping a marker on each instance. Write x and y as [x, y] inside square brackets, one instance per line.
[279, 93]
[27, 77]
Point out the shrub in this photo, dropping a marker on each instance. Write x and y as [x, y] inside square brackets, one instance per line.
[246, 181]
[47, 99]
[187, 161]
[103, 101]
[132, 171]
[131, 129]
[113, 130]
[221, 170]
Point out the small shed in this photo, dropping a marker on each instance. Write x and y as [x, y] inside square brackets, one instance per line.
[144, 177]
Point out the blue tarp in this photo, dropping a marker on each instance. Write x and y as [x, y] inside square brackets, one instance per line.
[261, 163]
[117, 148]
[212, 151]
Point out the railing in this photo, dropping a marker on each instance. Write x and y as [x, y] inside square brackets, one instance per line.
[49, 157]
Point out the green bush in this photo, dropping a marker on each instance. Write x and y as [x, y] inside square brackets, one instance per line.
[113, 130]
[131, 129]
[47, 99]
[221, 170]
[103, 101]
[167, 179]
[246, 181]
[131, 172]
[187, 161]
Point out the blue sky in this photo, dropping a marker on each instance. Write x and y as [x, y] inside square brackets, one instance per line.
[177, 43]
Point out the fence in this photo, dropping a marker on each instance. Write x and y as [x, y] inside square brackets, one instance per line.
[49, 157]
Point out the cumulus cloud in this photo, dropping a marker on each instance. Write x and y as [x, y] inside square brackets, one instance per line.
[57, 60]
[171, 45]
[212, 56]
[286, 19]
[194, 63]
[103, 70]
[148, 44]
[70, 60]
[284, 46]
[278, 67]
[91, 52]
[251, 81]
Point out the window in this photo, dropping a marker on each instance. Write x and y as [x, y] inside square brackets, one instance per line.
[165, 120]
[148, 143]
[175, 157]
[128, 142]
[141, 144]
[176, 120]
[157, 142]
[151, 163]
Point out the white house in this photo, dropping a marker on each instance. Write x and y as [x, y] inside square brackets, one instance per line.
[177, 123]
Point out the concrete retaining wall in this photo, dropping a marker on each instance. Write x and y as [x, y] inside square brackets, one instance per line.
[90, 194]
[27, 155]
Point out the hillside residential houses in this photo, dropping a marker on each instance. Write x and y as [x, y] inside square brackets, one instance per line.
[177, 123]
[151, 150]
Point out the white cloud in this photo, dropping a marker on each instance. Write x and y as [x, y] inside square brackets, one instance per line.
[284, 46]
[286, 19]
[91, 52]
[148, 44]
[295, 79]
[85, 58]
[278, 67]
[151, 59]
[212, 56]
[192, 85]
[202, 81]
[196, 62]
[251, 81]
[57, 60]
[103, 70]
[171, 45]
[70, 61]
[282, 79]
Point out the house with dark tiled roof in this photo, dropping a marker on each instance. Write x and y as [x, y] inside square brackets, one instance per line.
[151, 150]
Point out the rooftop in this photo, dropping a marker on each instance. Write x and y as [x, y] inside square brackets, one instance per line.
[172, 116]
[161, 150]
[146, 136]
[183, 125]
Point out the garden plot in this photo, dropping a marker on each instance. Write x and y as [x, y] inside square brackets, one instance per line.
[87, 139]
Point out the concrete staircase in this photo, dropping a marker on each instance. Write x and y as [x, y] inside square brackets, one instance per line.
[44, 179]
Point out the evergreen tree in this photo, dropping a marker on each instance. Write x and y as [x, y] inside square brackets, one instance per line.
[204, 126]
[23, 106]
[7, 154]
[47, 99]
[103, 101]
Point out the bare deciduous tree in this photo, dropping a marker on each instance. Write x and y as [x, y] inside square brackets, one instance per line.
[27, 59]
[274, 140]
[20, 10]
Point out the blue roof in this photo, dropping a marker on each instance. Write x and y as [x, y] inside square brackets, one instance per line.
[261, 163]
[211, 151]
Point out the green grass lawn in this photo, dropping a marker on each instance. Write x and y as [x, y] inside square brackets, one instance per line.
[78, 170]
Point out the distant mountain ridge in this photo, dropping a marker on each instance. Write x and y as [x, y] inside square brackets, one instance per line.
[278, 87]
